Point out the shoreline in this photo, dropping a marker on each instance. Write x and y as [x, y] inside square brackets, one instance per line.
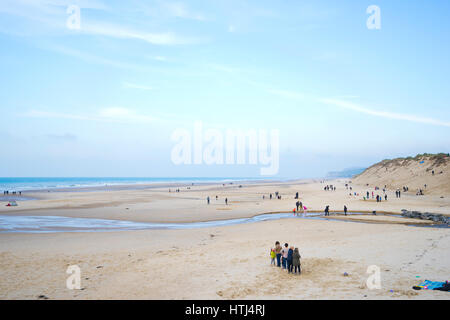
[138, 186]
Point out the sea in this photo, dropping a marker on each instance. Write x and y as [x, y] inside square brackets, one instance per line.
[33, 183]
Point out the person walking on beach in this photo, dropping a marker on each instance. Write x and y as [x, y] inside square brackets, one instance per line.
[272, 257]
[345, 210]
[296, 261]
[297, 204]
[284, 253]
[226, 201]
[278, 249]
[207, 199]
[327, 210]
[289, 259]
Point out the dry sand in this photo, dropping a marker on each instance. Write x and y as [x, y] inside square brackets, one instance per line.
[226, 262]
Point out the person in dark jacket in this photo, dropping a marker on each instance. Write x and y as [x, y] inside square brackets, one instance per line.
[327, 210]
[289, 259]
[296, 261]
[345, 210]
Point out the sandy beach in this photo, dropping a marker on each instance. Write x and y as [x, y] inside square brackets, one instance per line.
[230, 262]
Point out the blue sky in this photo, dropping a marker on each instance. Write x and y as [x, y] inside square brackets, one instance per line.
[104, 100]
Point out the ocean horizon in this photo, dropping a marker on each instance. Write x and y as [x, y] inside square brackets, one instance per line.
[17, 184]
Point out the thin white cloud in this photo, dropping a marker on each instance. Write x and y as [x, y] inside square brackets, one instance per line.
[113, 114]
[92, 58]
[360, 109]
[62, 137]
[287, 94]
[120, 32]
[223, 68]
[384, 114]
[51, 15]
[179, 10]
[137, 86]
[158, 58]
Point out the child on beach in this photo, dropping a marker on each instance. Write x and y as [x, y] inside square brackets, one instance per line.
[272, 257]
[284, 253]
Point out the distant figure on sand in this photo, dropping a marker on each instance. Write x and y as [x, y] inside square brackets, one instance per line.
[327, 210]
[296, 261]
[226, 201]
[345, 210]
[207, 199]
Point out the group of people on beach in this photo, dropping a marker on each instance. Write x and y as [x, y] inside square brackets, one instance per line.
[208, 200]
[5, 193]
[327, 210]
[377, 197]
[287, 258]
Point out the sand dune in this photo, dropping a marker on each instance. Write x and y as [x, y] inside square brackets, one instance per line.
[412, 172]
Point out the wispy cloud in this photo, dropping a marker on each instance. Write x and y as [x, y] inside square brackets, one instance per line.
[158, 58]
[51, 15]
[223, 68]
[113, 114]
[180, 10]
[87, 57]
[385, 114]
[287, 94]
[339, 102]
[120, 32]
[137, 86]
[62, 137]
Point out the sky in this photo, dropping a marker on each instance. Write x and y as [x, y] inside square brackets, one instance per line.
[105, 99]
